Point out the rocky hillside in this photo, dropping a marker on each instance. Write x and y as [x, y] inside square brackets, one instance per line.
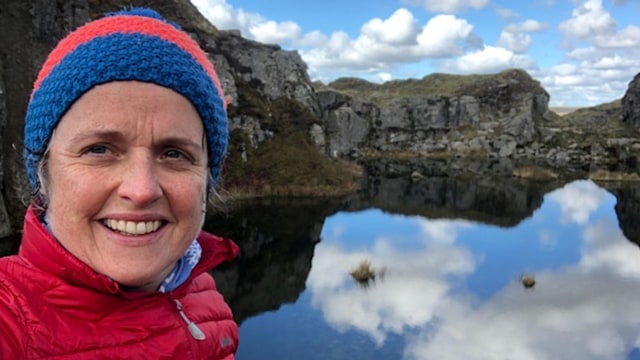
[478, 115]
[289, 136]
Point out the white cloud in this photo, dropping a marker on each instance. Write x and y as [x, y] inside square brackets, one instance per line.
[628, 37]
[528, 26]
[224, 16]
[271, 32]
[491, 59]
[449, 6]
[606, 249]
[623, 2]
[585, 310]
[588, 20]
[399, 29]
[578, 200]
[598, 73]
[384, 76]
[516, 38]
[313, 39]
[384, 44]
[516, 42]
[562, 318]
[506, 14]
[604, 57]
[441, 36]
[614, 61]
[420, 276]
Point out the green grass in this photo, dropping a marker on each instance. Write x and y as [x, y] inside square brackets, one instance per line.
[430, 85]
[286, 164]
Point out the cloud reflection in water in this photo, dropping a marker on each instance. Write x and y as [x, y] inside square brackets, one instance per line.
[583, 310]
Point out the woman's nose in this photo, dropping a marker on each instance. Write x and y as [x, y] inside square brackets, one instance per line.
[139, 182]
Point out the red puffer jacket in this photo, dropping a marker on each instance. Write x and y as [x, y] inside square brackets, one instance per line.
[52, 306]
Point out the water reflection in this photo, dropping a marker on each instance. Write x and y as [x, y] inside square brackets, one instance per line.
[454, 249]
[277, 238]
[416, 283]
[583, 307]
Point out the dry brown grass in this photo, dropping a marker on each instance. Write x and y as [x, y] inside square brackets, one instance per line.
[364, 272]
[604, 175]
[535, 173]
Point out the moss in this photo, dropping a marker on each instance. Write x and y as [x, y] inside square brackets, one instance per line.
[285, 165]
[287, 159]
[250, 102]
[447, 85]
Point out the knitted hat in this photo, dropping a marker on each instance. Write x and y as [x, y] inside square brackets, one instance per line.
[136, 44]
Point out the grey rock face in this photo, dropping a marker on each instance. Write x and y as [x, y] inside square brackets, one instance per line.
[631, 103]
[30, 29]
[5, 223]
[464, 124]
[268, 69]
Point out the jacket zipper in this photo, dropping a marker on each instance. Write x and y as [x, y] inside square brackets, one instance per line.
[193, 328]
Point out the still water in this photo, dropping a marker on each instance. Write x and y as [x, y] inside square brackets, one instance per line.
[449, 276]
[450, 252]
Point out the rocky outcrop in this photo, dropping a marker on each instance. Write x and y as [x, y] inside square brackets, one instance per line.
[253, 72]
[631, 103]
[489, 116]
[29, 31]
[499, 116]
[503, 115]
[271, 71]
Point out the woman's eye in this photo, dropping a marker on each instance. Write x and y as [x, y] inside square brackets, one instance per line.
[174, 154]
[97, 149]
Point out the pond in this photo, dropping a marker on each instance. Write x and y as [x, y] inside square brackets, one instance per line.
[450, 257]
[451, 288]
[466, 267]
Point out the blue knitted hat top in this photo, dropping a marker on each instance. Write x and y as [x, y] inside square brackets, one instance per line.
[136, 44]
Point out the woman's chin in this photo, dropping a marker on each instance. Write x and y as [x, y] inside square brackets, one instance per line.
[137, 282]
[136, 272]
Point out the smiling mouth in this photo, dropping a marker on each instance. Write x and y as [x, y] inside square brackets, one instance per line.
[132, 227]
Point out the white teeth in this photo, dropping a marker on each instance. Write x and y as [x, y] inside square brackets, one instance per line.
[133, 227]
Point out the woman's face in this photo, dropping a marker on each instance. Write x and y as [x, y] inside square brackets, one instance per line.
[126, 180]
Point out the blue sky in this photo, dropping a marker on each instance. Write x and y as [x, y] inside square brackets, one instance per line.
[584, 52]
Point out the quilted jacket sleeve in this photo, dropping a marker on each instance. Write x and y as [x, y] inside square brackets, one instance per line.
[12, 324]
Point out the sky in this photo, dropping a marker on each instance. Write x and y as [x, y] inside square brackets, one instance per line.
[581, 307]
[583, 52]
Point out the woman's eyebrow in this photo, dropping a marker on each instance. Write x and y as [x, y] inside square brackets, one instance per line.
[180, 142]
[112, 135]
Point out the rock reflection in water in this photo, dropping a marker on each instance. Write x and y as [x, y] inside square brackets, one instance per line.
[278, 237]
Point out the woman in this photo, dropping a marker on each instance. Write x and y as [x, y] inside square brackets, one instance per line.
[124, 138]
